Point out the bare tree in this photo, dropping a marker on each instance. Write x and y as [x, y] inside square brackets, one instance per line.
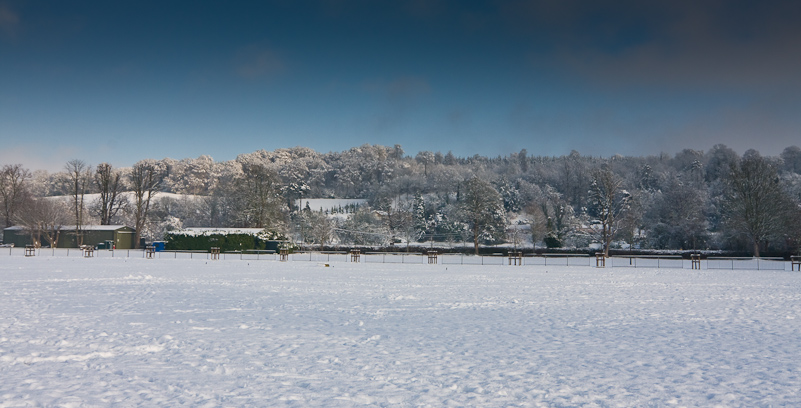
[426, 158]
[315, 227]
[13, 179]
[554, 218]
[402, 217]
[792, 159]
[757, 207]
[77, 183]
[258, 191]
[108, 182]
[676, 216]
[43, 218]
[610, 201]
[145, 179]
[574, 179]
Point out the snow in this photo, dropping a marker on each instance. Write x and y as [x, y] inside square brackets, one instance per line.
[199, 231]
[88, 198]
[160, 332]
[327, 204]
[74, 227]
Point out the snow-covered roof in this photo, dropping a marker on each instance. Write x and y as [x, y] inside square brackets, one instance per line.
[73, 227]
[211, 231]
[98, 227]
[259, 233]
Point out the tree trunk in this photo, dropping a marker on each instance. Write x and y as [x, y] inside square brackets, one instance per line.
[475, 238]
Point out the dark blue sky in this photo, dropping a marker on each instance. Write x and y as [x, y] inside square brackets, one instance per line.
[120, 81]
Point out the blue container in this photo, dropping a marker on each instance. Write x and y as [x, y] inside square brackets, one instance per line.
[158, 246]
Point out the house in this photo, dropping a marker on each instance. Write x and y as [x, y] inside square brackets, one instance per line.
[118, 235]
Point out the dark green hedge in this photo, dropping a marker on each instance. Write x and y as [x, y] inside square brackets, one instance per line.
[226, 242]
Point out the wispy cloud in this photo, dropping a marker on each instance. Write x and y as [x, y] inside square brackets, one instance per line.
[9, 21]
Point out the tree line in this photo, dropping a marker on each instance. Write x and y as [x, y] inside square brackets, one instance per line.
[691, 200]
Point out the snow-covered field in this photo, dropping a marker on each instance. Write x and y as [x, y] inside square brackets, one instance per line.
[161, 332]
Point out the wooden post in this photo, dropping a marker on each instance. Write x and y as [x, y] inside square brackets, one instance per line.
[432, 256]
[695, 260]
[150, 251]
[795, 261]
[600, 260]
[284, 255]
[515, 258]
[30, 250]
[215, 253]
[355, 254]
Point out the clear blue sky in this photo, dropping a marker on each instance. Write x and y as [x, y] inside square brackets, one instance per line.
[119, 81]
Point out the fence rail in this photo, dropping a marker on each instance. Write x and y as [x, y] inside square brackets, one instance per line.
[639, 261]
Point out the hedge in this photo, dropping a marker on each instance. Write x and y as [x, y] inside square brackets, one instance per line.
[226, 242]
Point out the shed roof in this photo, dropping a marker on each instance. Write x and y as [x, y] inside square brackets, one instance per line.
[74, 227]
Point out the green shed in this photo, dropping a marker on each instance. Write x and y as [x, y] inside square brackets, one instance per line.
[120, 235]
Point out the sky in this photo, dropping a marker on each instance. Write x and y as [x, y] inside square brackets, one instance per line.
[121, 81]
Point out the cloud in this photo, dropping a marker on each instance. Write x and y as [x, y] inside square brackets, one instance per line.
[767, 124]
[670, 75]
[255, 62]
[711, 45]
[9, 21]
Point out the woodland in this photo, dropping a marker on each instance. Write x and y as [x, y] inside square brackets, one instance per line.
[713, 200]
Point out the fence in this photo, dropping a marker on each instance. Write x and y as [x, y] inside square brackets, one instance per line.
[767, 264]
[639, 261]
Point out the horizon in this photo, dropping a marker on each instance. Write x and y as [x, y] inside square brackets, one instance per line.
[59, 167]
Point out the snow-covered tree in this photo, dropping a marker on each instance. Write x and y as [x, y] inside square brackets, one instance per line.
[364, 227]
[315, 227]
[609, 201]
[482, 211]
[192, 176]
[676, 217]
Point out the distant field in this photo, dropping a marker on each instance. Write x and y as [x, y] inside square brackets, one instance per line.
[326, 204]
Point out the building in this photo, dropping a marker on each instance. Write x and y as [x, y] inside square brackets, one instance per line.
[120, 236]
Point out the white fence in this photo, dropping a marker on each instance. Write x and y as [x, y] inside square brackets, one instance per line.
[673, 262]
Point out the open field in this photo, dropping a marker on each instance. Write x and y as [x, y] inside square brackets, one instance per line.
[192, 332]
